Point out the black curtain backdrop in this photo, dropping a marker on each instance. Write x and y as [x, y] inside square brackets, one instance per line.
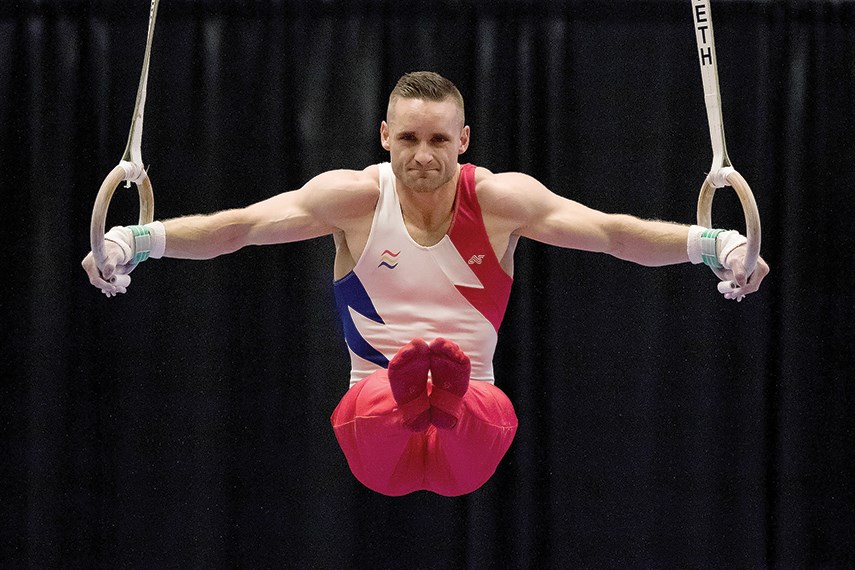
[185, 424]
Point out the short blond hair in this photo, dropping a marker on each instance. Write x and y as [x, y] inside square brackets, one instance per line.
[429, 86]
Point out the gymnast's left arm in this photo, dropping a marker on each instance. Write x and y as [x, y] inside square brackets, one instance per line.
[535, 212]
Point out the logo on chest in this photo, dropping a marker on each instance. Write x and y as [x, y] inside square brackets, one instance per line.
[389, 259]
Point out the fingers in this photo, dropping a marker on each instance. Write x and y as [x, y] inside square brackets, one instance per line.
[760, 273]
[106, 279]
[731, 290]
[119, 285]
[742, 285]
[95, 276]
[751, 283]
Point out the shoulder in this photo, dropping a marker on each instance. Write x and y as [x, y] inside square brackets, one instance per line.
[343, 193]
[509, 194]
[336, 198]
[503, 182]
[347, 182]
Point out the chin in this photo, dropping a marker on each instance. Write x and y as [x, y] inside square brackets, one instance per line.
[423, 185]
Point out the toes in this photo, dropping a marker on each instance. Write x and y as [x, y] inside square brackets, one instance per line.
[450, 367]
[413, 352]
[408, 371]
[448, 350]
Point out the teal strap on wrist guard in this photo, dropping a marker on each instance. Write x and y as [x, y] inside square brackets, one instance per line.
[142, 243]
[708, 248]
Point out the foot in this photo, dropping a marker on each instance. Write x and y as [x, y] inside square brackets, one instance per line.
[450, 369]
[408, 372]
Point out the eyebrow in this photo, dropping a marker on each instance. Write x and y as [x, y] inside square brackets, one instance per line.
[443, 136]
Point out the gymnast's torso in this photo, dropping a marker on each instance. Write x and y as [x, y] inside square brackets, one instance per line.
[399, 289]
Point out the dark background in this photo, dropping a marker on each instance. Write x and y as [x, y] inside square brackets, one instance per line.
[185, 424]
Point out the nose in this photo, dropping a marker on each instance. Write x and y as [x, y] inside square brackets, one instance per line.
[423, 156]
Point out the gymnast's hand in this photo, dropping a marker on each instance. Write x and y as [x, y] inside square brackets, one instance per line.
[737, 283]
[113, 278]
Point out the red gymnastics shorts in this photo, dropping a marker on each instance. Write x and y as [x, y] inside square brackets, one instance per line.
[388, 458]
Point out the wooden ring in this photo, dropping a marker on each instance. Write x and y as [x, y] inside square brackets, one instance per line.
[749, 207]
[102, 204]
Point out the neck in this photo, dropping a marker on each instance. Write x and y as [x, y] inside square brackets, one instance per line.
[429, 209]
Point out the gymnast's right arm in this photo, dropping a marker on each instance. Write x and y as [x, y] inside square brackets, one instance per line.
[319, 208]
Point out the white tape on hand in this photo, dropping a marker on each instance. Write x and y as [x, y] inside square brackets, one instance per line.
[120, 284]
[121, 281]
[730, 290]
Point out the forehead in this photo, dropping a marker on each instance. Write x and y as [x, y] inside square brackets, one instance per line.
[418, 114]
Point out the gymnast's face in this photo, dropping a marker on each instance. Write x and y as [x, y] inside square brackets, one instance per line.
[424, 139]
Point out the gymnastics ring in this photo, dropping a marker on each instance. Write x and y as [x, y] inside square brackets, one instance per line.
[102, 204]
[749, 207]
[129, 170]
[721, 172]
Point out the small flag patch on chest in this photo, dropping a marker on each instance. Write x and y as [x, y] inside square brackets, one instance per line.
[389, 259]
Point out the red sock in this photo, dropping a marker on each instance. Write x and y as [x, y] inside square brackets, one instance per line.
[408, 372]
[450, 369]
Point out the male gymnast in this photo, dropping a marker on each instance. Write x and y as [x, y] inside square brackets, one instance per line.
[423, 271]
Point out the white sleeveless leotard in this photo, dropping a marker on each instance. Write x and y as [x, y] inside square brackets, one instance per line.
[400, 290]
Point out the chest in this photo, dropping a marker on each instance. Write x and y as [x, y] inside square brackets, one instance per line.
[351, 241]
[427, 235]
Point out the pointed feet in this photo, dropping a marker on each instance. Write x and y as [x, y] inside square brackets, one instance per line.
[450, 370]
[408, 372]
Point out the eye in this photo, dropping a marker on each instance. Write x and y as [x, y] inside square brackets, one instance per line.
[408, 137]
[439, 139]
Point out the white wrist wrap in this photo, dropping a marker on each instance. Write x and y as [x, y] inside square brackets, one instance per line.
[158, 239]
[693, 244]
[712, 246]
[138, 243]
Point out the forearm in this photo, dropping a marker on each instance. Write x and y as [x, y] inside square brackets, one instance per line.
[647, 242]
[205, 236]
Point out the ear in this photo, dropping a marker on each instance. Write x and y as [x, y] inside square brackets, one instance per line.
[384, 135]
[464, 140]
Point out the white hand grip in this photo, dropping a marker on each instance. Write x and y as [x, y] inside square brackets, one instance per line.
[730, 290]
[120, 285]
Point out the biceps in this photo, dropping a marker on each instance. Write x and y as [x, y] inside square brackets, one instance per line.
[565, 223]
[284, 218]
